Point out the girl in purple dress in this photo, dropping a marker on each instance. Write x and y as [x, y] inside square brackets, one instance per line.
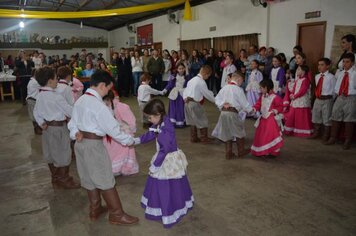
[176, 85]
[277, 75]
[167, 196]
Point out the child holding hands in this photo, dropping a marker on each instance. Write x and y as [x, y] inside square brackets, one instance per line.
[167, 196]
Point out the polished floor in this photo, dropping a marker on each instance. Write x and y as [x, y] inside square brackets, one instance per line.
[309, 190]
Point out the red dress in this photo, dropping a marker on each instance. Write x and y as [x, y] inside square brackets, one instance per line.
[268, 136]
[298, 118]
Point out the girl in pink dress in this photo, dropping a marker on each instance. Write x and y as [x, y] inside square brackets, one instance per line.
[77, 88]
[298, 118]
[268, 136]
[123, 158]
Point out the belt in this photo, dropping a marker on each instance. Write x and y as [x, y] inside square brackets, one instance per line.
[325, 97]
[143, 101]
[231, 109]
[89, 135]
[31, 98]
[56, 123]
[189, 99]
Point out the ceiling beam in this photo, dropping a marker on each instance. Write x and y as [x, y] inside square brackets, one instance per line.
[60, 4]
[109, 5]
[83, 4]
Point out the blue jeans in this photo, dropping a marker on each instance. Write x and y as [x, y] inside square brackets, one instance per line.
[136, 81]
[157, 81]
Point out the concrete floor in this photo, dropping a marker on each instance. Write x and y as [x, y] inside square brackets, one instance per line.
[309, 190]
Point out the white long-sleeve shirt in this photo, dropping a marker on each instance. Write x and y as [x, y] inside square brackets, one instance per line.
[197, 89]
[145, 91]
[352, 81]
[235, 96]
[137, 65]
[328, 83]
[51, 106]
[33, 88]
[90, 114]
[65, 90]
[37, 62]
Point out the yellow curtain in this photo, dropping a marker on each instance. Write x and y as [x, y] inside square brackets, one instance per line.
[88, 14]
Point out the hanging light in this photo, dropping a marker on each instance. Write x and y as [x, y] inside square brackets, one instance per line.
[22, 24]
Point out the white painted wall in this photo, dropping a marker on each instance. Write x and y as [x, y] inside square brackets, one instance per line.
[234, 17]
[286, 15]
[231, 17]
[51, 28]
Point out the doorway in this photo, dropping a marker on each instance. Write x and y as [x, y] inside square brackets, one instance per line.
[311, 37]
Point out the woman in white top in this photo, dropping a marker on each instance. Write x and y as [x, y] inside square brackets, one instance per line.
[167, 67]
[348, 45]
[137, 69]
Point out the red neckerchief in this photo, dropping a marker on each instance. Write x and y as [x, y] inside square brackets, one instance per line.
[108, 138]
[319, 86]
[344, 86]
[45, 90]
[63, 82]
[90, 94]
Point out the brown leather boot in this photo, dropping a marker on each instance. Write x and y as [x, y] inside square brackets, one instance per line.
[64, 180]
[204, 136]
[117, 215]
[53, 170]
[36, 128]
[228, 150]
[194, 134]
[72, 149]
[349, 131]
[326, 134]
[335, 127]
[95, 207]
[316, 133]
[241, 151]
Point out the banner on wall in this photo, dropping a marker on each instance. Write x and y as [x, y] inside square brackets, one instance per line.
[145, 35]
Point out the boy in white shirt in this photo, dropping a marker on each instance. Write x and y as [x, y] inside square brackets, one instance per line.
[51, 111]
[324, 91]
[144, 93]
[91, 121]
[344, 109]
[193, 96]
[64, 74]
[33, 88]
[232, 102]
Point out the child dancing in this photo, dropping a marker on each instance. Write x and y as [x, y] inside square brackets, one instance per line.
[123, 158]
[232, 102]
[167, 196]
[268, 137]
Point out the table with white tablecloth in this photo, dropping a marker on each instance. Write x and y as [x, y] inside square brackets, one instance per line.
[7, 78]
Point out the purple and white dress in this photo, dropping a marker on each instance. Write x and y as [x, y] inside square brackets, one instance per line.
[253, 87]
[277, 76]
[176, 85]
[167, 196]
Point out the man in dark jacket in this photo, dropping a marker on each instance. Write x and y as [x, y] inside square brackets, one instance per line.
[155, 67]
